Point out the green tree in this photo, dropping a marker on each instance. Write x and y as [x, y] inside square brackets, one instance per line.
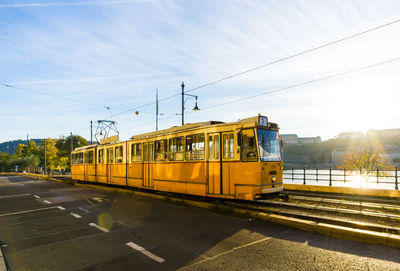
[5, 162]
[25, 162]
[64, 149]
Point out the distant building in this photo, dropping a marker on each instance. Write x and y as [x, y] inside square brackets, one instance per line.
[289, 138]
[351, 135]
[308, 140]
[294, 139]
[384, 133]
[337, 156]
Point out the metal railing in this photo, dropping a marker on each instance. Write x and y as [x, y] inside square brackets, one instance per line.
[334, 176]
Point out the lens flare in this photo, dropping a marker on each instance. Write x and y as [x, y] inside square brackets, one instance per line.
[106, 221]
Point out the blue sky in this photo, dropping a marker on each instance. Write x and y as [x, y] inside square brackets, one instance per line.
[116, 53]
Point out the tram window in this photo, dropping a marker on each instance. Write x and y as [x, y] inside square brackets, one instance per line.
[101, 156]
[89, 157]
[160, 150]
[148, 152]
[225, 146]
[110, 156]
[248, 146]
[136, 152]
[211, 148]
[195, 147]
[176, 148]
[216, 143]
[79, 158]
[228, 146]
[231, 146]
[73, 159]
[119, 154]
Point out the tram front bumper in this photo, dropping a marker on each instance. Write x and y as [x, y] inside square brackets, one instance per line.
[272, 190]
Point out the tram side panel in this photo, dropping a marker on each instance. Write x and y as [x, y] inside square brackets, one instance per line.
[187, 177]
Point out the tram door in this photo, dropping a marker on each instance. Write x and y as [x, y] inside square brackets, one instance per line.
[110, 162]
[228, 146]
[214, 164]
[147, 159]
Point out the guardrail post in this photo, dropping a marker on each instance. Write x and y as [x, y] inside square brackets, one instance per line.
[330, 176]
[304, 175]
[316, 174]
[344, 175]
[396, 185]
[377, 175]
[292, 175]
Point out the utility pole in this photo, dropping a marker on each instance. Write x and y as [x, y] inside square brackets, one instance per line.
[156, 109]
[45, 157]
[72, 143]
[91, 132]
[183, 103]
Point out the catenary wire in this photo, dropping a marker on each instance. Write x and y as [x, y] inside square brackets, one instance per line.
[291, 86]
[57, 96]
[265, 65]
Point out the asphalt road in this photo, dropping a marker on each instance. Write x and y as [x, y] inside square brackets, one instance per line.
[46, 225]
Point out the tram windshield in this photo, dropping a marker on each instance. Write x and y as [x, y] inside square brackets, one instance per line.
[270, 149]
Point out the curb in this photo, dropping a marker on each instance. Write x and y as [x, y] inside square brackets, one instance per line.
[387, 193]
[330, 230]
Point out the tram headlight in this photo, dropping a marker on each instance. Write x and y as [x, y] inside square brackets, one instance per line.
[273, 178]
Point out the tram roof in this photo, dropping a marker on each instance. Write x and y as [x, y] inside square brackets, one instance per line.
[248, 122]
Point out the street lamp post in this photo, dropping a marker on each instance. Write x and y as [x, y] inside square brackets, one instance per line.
[196, 108]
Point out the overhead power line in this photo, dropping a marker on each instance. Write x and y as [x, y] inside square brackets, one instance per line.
[265, 65]
[306, 83]
[295, 55]
[56, 96]
[291, 86]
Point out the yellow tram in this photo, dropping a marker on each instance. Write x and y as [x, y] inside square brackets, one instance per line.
[239, 160]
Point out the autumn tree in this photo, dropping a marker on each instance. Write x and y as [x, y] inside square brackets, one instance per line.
[48, 147]
[367, 161]
[26, 150]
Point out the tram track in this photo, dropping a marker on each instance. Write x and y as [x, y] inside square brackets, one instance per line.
[355, 215]
[345, 213]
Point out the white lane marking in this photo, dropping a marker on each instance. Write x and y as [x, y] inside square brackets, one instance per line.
[145, 252]
[98, 227]
[47, 202]
[20, 183]
[28, 211]
[61, 208]
[36, 196]
[83, 209]
[14, 196]
[75, 215]
[227, 252]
